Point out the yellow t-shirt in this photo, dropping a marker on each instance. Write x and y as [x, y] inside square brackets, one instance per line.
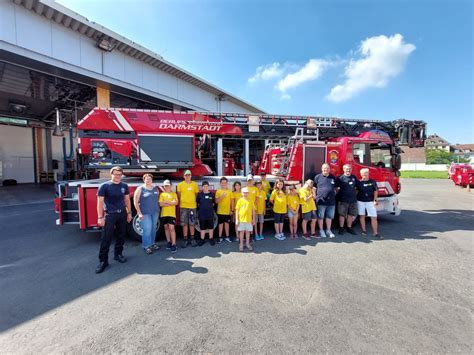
[252, 193]
[244, 208]
[168, 211]
[306, 206]
[279, 201]
[293, 201]
[266, 186]
[236, 195]
[260, 202]
[223, 206]
[188, 192]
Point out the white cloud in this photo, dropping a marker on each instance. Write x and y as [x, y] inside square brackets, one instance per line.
[285, 97]
[383, 58]
[267, 72]
[310, 71]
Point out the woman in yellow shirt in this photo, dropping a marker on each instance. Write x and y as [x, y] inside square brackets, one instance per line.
[168, 201]
[293, 209]
[280, 208]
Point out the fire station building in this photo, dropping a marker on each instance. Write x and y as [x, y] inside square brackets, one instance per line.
[55, 66]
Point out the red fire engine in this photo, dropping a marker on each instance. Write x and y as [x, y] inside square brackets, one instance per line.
[461, 174]
[167, 143]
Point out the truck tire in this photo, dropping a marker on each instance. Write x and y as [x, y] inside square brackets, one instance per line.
[196, 225]
[135, 231]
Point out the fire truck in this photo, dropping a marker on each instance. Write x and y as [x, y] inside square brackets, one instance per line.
[209, 144]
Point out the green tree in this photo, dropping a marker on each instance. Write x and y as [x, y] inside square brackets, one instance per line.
[439, 156]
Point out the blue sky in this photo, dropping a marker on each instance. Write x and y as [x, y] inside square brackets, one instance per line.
[357, 59]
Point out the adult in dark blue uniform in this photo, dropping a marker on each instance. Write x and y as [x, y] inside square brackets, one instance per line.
[347, 199]
[205, 202]
[325, 185]
[113, 211]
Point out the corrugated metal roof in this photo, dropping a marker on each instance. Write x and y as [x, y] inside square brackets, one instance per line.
[72, 20]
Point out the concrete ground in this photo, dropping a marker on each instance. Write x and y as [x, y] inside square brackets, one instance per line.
[411, 292]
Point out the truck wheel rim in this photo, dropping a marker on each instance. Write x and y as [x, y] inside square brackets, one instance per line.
[137, 226]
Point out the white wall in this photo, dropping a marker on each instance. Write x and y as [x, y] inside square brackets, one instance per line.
[16, 153]
[424, 167]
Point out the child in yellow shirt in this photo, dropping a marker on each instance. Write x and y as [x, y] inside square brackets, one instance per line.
[308, 208]
[280, 208]
[293, 209]
[260, 212]
[224, 204]
[244, 219]
[168, 201]
[236, 195]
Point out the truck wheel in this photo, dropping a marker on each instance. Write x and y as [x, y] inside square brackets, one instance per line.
[134, 229]
[196, 224]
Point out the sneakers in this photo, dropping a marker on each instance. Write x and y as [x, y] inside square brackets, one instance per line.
[186, 242]
[306, 237]
[227, 239]
[120, 258]
[101, 267]
[330, 233]
[364, 233]
[341, 230]
[322, 234]
[351, 231]
[168, 246]
[173, 248]
[314, 236]
[201, 242]
[259, 237]
[219, 241]
[282, 236]
[194, 243]
[212, 241]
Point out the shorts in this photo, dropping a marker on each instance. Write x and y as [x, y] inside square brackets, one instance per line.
[187, 216]
[347, 208]
[308, 216]
[279, 217]
[260, 218]
[245, 227]
[223, 218]
[205, 224]
[326, 211]
[168, 220]
[291, 214]
[367, 206]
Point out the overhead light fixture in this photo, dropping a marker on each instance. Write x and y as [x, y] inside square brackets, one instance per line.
[57, 129]
[106, 44]
[17, 108]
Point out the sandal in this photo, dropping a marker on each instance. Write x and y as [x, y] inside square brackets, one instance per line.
[148, 251]
[241, 248]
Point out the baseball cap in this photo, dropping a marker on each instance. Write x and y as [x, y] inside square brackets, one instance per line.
[205, 183]
[258, 181]
[245, 189]
[167, 183]
[249, 177]
[187, 172]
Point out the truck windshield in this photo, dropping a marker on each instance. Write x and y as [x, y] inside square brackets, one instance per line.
[374, 155]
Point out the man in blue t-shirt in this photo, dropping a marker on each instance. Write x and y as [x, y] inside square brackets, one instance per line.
[325, 185]
[113, 212]
[347, 199]
[205, 204]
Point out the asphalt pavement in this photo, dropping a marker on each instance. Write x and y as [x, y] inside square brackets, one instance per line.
[411, 292]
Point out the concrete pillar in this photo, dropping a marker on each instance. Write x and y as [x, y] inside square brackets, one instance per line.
[220, 157]
[103, 96]
[246, 157]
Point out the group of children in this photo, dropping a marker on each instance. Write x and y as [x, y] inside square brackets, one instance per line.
[243, 207]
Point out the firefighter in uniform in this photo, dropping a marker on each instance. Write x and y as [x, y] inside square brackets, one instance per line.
[113, 212]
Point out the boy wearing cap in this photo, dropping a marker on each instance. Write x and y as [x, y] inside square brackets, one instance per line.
[224, 202]
[205, 204]
[187, 191]
[168, 202]
[260, 210]
[244, 218]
